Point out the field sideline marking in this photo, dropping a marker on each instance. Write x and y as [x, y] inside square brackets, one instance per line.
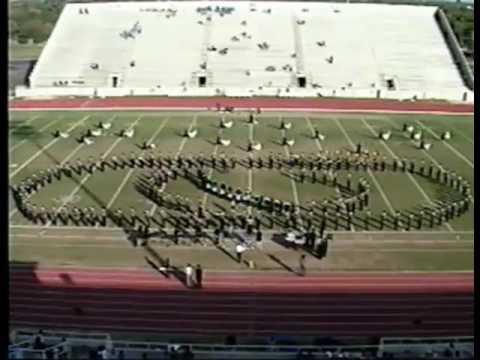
[363, 245]
[455, 151]
[111, 228]
[79, 186]
[43, 128]
[116, 242]
[279, 109]
[45, 147]
[130, 172]
[415, 182]
[179, 151]
[372, 176]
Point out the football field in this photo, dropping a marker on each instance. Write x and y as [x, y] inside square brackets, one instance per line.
[33, 147]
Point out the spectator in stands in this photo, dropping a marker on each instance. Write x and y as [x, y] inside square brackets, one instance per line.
[187, 353]
[38, 343]
[121, 355]
[102, 353]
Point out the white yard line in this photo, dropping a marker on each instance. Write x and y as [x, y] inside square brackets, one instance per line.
[292, 182]
[179, 151]
[43, 128]
[455, 151]
[250, 171]
[309, 122]
[37, 154]
[185, 139]
[414, 181]
[372, 176]
[458, 132]
[30, 120]
[210, 173]
[130, 172]
[79, 186]
[116, 242]
[339, 232]
[14, 211]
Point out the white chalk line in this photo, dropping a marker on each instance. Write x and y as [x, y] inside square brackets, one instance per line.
[130, 172]
[372, 176]
[414, 181]
[33, 157]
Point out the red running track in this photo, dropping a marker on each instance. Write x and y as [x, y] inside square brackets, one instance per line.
[339, 304]
[318, 105]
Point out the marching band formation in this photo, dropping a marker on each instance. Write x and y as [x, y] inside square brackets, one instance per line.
[249, 211]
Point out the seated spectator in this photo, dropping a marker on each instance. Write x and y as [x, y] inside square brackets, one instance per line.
[38, 343]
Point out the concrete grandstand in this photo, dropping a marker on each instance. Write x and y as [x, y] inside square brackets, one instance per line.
[233, 48]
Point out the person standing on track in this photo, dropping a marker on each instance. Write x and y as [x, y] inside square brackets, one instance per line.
[199, 275]
[302, 270]
[239, 250]
[189, 276]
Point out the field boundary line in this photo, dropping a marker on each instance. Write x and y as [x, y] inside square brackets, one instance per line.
[415, 182]
[45, 147]
[452, 149]
[369, 172]
[116, 242]
[277, 109]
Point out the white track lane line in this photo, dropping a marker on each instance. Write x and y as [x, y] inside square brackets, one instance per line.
[33, 157]
[130, 172]
[414, 181]
[369, 172]
[455, 151]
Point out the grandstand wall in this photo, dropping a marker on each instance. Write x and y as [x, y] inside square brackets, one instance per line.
[163, 49]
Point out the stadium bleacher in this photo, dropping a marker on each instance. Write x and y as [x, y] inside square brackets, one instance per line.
[68, 344]
[251, 48]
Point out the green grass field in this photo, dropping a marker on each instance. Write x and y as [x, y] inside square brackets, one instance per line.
[32, 148]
